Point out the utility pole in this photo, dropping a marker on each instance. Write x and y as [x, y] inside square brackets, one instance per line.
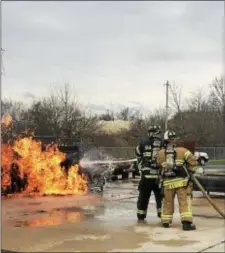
[2, 64]
[167, 104]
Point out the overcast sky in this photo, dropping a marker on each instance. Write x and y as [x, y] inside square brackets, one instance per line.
[110, 52]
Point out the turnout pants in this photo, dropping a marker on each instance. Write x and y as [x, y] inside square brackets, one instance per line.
[146, 186]
[184, 196]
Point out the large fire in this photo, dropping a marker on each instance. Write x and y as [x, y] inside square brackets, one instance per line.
[41, 169]
[6, 120]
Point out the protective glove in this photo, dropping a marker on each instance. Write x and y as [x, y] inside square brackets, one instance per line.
[199, 170]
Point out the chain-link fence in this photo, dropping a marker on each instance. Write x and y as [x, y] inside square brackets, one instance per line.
[214, 153]
[116, 152]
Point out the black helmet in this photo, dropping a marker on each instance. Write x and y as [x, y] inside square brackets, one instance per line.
[154, 131]
[169, 136]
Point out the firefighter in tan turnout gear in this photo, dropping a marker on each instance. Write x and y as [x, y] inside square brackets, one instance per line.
[175, 181]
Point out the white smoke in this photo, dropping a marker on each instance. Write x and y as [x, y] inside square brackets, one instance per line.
[97, 162]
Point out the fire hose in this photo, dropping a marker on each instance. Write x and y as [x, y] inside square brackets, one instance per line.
[190, 175]
[200, 187]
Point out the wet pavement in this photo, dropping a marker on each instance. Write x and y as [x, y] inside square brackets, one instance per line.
[99, 224]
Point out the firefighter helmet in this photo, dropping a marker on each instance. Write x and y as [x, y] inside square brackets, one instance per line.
[154, 130]
[169, 136]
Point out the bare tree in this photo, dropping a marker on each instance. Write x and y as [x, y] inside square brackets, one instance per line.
[124, 114]
[218, 92]
[197, 101]
[157, 117]
[217, 96]
[201, 120]
[198, 118]
[139, 126]
[129, 113]
[136, 115]
[107, 116]
[14, 108]
[175, 101]
[61, 116]
[44, 117]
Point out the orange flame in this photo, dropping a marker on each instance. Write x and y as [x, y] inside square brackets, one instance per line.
[55, 218]
[42, 168]
[6, 120]
[6, 161]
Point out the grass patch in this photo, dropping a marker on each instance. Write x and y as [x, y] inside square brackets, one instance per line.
[114, 126]
[217, 162]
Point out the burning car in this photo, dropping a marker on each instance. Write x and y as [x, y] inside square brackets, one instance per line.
[36, 165]
[94, 173]
[27, 168]
[124, 169]
[30, 167]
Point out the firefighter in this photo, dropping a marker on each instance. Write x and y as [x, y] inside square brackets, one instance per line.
[146, 153]
[175, 162]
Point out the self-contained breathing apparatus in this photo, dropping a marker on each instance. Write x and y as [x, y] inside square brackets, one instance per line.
[172, 169]
[170, 154]
[147, 152]
[155, 149]
[148, 163]
[152, 150]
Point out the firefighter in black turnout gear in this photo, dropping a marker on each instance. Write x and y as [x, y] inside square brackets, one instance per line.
[146, 153]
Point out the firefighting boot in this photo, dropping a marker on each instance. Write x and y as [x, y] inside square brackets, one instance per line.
[141, 218]
[187, 226]
[141, 222]
[166, 225]
[159, 212]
